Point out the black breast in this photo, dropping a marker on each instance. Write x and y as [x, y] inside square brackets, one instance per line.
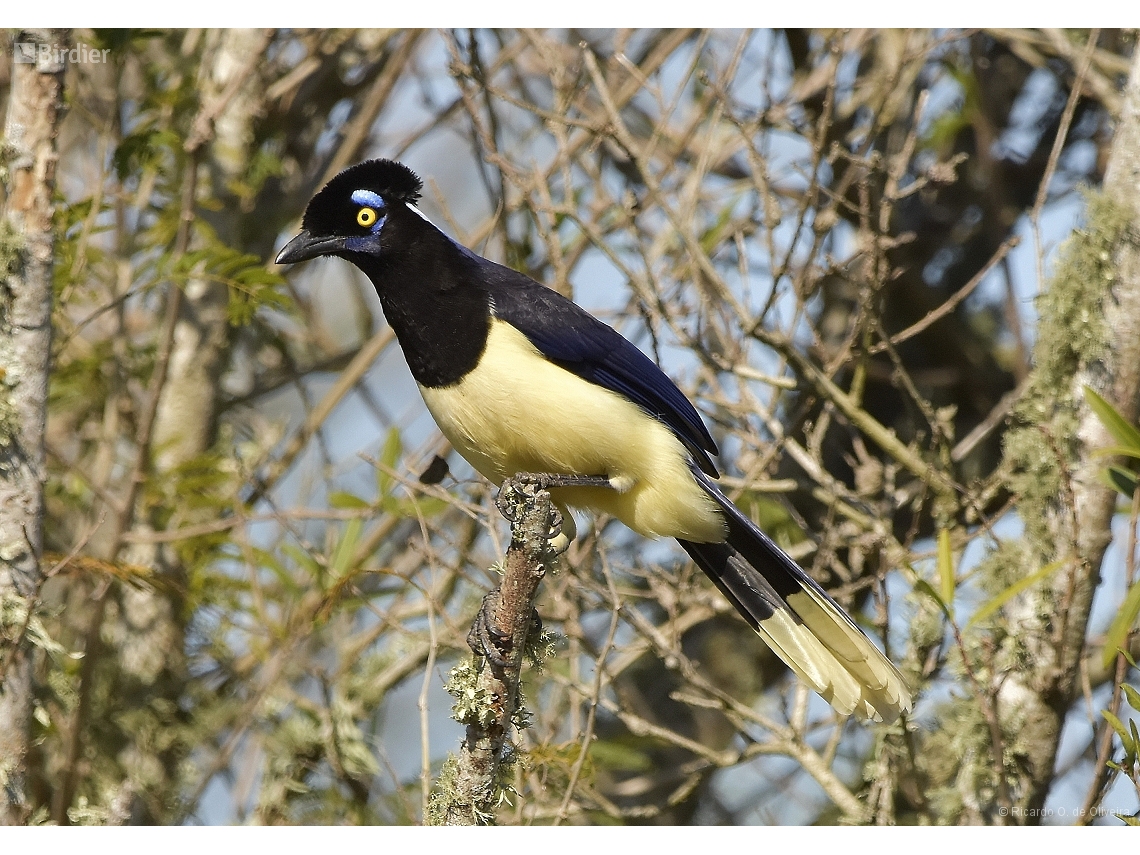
[432, 298]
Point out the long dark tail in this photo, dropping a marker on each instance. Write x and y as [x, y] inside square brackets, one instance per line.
[797, 619]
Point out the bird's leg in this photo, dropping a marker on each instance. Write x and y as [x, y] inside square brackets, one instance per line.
[528, 483]
[485, 638]
[545, 481]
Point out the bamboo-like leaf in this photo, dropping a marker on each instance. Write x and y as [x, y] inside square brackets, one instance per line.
[928, 589]
[389, 454]
[1116, 451]
[1012, 591]
[303, 559]
[342, 555]
[1118, 726]
[269, 561]
[1119, 479]
[1121, 624]
[1132, 696]
[946, 578]
[347, 501]
[1122, 431]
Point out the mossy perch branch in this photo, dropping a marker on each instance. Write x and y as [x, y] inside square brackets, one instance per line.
[471, 785]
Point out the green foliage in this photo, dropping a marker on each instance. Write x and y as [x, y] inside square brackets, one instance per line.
[413, 506]
[714, 234]
[925, 588]
[1126, 434]
[947, 573]
[944, 131]
[171, 650]
[619, 755]
[265, 164]
[1122, 479]
[1128, 763]
[1122, 624]
[251, 286]
[773, 517]
[120, 40]
[148, 149]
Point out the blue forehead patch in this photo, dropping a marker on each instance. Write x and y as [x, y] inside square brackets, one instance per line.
[367, 197]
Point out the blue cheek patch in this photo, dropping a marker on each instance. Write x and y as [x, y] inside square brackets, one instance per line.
[367, 243]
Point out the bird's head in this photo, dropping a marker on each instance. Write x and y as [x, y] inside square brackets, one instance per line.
[356, 212]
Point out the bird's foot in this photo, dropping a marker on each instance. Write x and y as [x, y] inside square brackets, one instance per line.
[486, 640]
[531, 483]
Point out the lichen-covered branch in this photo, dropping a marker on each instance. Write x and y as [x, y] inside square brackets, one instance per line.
[471, 785]
[1089, 334]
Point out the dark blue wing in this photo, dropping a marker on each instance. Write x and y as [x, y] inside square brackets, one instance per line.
[570, 336]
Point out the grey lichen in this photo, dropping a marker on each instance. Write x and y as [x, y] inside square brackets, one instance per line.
[449, 796]
[11, 249]
[9, 154]
[444, 793]
[16, 624]
[9, 417]
[472, 704]
[541, 646]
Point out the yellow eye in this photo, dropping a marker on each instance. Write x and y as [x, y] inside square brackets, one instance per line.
[366, 217]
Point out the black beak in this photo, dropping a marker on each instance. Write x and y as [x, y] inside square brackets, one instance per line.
[304, 246]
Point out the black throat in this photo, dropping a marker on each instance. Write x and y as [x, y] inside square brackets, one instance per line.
[431, 297]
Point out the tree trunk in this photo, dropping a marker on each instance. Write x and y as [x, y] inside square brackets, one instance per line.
[26, 245]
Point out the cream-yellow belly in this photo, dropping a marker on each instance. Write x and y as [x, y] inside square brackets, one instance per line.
[517, 412]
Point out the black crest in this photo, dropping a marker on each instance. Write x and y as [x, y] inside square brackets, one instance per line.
[327, 211]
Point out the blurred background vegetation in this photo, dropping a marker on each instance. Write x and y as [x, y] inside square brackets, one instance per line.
[843, 246]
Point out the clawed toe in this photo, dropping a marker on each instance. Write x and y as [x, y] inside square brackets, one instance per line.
[485, 639]
[488, 642]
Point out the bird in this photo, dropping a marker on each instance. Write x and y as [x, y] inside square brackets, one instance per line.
[523, 380]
